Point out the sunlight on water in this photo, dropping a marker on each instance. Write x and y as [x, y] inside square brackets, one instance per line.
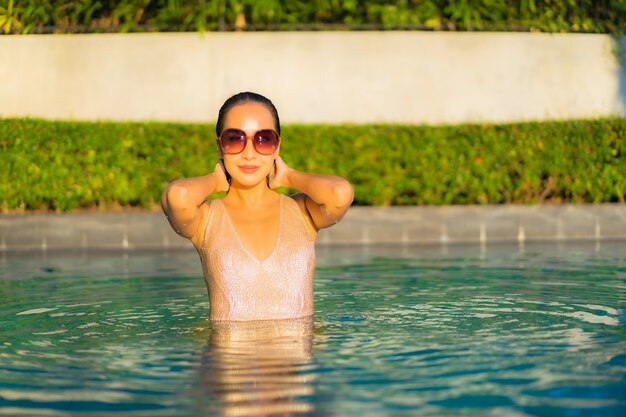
[397, 331]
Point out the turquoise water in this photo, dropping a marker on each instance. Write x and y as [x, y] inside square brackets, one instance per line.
[399, 331]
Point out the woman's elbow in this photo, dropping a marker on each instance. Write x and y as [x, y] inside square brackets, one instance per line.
[343, 194]
[175, 195]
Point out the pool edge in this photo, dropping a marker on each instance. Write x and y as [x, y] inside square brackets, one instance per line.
[422, 225]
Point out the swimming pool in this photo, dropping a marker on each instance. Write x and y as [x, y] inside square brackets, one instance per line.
[399, 330]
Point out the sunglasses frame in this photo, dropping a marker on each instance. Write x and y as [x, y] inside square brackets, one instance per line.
[254, 139]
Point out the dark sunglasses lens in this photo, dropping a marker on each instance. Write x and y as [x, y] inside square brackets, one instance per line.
[232, 141]
[265, 142]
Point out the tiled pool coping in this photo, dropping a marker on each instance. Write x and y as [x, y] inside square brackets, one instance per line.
[362, 225]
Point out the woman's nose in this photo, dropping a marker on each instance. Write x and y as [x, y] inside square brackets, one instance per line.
[249, 152]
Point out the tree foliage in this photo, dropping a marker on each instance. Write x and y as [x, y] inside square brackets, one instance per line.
[71, 16]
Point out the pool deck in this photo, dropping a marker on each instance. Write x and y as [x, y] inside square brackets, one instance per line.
[136, 230]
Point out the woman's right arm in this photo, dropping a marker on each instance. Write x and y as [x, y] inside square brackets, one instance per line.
[182, 199]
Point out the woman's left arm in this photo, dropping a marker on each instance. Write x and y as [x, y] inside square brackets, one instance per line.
[327, 197]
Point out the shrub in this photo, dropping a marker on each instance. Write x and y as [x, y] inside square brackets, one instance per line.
[62, 166]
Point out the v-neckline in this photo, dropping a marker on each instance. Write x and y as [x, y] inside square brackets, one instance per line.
[241, 242]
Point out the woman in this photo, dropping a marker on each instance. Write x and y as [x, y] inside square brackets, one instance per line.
[258, 368]
[256, 245]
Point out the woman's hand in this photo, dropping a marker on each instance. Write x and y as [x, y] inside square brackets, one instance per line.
[279, 177]
[221, 181]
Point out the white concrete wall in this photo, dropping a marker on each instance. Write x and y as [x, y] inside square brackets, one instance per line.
[412, 77]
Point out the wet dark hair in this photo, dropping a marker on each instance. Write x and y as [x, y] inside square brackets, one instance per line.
[244, 98]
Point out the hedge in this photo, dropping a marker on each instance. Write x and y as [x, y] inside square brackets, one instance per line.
[72, 16]
[53, 165]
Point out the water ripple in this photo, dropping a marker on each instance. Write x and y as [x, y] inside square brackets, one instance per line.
[452, 333]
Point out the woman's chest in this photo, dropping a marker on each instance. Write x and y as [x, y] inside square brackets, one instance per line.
[258, 231]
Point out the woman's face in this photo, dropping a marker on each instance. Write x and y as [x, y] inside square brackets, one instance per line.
[249, 167]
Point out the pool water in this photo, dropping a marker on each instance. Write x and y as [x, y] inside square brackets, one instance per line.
[537, 330]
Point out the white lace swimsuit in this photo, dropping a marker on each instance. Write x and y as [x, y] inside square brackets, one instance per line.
[241, 287]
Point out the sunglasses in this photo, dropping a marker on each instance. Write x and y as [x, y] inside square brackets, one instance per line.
[234, 141]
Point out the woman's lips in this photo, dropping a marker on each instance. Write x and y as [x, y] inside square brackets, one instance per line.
[248, 169]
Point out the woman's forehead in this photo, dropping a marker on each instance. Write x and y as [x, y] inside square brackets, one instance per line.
[249, 116]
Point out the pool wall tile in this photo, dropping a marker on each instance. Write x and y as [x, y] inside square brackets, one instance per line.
[361, 226]
[612, 221]
[20, 232]
[463, 224]
[104, 231]
[539, 224]
[579, 223]
[428, 226]
[501, 223]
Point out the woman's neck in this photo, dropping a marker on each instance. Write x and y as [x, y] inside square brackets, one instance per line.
[250, 197]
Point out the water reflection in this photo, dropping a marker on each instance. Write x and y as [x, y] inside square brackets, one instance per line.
[259, 368]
